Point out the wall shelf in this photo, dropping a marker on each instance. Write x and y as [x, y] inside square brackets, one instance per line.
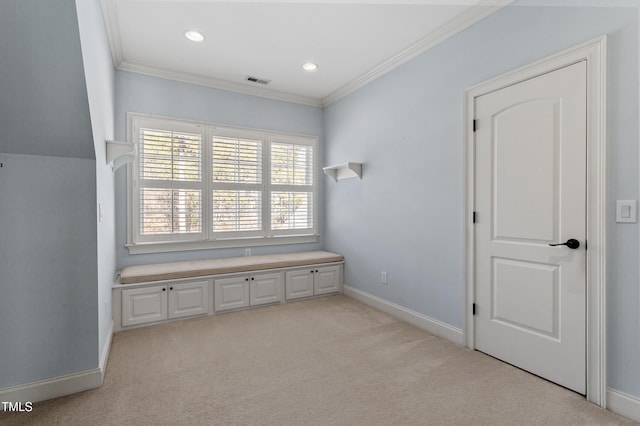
[344, 171]
[120, 153]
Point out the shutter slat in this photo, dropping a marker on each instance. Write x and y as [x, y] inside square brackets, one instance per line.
[237, 211]
[291, 165]
[237, 160]
[291, 210]
[171, 157]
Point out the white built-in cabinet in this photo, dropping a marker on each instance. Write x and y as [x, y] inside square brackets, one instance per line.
[247, 290]
[312, 281]
[156, 303]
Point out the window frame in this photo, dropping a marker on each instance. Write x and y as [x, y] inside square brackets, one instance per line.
[208, 239]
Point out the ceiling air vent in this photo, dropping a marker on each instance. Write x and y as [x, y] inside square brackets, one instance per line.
[257, 80]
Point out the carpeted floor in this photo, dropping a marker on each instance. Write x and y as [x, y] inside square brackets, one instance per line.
[327, 361]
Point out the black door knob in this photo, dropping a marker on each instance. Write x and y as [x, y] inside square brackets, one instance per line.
[571, 243]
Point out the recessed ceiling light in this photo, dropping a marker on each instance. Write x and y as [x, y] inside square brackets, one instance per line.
[194, 35]
[309, 66]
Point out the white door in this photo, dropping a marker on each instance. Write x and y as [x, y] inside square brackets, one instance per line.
[143, 305]
[326, 280]
[530, 193]
[266, 288]
[188, 299]
[230, 293]
[299, 283]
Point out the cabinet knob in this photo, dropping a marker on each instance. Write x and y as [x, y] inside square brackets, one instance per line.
[316, 271]
[252, 278]
[164, 289]
[170, 288]
[246, 279]
[312, 271]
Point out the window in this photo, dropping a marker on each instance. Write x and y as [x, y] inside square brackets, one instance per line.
[199, 186]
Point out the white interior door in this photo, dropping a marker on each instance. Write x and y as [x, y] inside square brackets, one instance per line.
[531, 192]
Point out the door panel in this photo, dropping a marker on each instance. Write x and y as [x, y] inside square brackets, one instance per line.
[525, 174]
[231, 293]
[530, 192]
[143, 305]
[187, 299]
[299, 284]
[525, 296]
[266, 288]
[327, 280]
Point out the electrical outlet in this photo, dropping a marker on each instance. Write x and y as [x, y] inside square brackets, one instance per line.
[384, 277]
[247, 252]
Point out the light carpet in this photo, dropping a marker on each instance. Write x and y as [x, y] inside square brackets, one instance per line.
[327, 361]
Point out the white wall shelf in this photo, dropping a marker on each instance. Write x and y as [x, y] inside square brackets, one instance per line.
[344, 171]
[120, 153]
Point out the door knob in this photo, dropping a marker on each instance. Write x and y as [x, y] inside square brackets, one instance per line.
[571, 243]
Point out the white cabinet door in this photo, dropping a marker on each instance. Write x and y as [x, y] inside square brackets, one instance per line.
[299, 283]
[231, 293]
[266, 288]
[143, 305]
[187, 299]
[326, 280]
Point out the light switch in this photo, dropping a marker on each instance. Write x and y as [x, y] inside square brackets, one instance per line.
[626, 211]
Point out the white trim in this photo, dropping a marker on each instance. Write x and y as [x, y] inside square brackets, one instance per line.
[624, 404]
[207, 238]
[424, 322]
[54, 387]
[67, 384]
[458, 24]
[110, 14]
[104, 357]
[217, 83]
[478, 12]
[594, 52]
[142, 248]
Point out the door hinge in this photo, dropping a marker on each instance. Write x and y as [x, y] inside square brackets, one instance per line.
[475, 124]
[473, 309]
[586, 246]
[474, 217]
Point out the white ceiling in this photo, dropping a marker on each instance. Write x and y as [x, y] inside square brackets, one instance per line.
[353, 42]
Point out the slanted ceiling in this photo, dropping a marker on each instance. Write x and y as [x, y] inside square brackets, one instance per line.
[44, 109]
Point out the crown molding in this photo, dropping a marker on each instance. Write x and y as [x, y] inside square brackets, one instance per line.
[484, 8]
[110, 15]
[217, 83]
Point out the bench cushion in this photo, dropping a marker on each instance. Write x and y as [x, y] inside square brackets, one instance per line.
[200, 268]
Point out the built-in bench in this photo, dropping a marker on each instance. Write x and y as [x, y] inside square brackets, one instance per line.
[201, 268]
[149, 294]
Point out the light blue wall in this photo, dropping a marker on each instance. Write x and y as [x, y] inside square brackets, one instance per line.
[43, 97]
[156, 96]
[405, 215]
[48, 318]
[100, 76]
[48, 243]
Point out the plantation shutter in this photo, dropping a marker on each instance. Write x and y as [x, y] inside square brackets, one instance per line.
[292, 188]
[194, 186]
[237, 187]
[170, 180]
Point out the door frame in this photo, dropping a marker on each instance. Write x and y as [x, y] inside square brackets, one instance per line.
[594, 53]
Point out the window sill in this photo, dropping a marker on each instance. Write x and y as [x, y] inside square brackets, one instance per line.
[146, 248]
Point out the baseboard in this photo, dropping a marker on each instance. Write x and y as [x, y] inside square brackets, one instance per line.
[104, 357]
[421, 321]
[61, 385]
[53, 388]
[623, 404]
